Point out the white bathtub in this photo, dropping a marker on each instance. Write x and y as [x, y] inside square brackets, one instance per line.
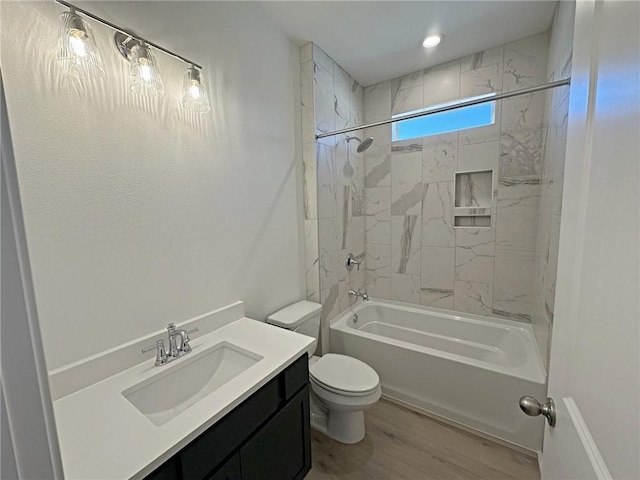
[466, 368]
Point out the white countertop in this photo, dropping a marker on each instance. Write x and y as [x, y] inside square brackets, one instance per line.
[102, 435]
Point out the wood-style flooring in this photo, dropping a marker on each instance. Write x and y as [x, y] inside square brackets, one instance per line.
[402, 444]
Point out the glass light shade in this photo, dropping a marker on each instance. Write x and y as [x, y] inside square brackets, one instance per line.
[77, 52]
[194, 93]
[144, 78]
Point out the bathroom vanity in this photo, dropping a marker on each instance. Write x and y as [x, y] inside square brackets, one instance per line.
[236, 407]
[266, 437]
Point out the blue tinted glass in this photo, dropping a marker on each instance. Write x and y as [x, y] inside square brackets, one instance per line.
[451, 121]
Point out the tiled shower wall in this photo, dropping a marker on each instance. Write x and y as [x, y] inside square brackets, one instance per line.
[333, 186]
[413, 251]
[557, 108]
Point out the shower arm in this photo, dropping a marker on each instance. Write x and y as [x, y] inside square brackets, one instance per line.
[468, 103]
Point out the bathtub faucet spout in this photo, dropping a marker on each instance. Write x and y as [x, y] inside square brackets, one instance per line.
[364, 295]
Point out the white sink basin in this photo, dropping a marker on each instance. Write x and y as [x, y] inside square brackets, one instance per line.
[172, 391]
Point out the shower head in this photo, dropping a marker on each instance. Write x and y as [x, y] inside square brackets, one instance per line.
[364, 144]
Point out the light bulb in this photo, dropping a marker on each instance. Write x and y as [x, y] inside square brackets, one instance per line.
[76, 42]
[194, 90]
[145, 72]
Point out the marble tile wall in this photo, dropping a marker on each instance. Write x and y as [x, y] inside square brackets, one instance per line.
[413, 251]
[310, 192]
[333, 183]
[552, 170]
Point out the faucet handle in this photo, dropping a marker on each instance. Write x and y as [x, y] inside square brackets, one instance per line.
[161, 353]
[185, 347]
[351, 261]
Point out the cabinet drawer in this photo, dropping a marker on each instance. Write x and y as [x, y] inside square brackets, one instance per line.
[296, 376]
[207, 451]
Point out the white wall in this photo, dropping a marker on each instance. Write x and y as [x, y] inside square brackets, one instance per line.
[136, 213]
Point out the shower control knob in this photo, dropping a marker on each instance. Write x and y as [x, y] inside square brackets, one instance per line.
[351, 261]
[533, 408]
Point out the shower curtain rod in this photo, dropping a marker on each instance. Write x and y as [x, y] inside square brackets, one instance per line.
[477, 101]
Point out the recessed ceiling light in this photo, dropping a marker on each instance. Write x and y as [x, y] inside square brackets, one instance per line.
[432, 40]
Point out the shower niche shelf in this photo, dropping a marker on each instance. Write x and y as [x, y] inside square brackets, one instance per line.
[473, 198]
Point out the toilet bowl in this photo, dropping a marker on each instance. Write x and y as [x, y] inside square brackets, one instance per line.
[342, 387]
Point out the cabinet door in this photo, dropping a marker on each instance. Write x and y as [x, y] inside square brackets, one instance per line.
[229, 471]
[281, 450]
[208, 451]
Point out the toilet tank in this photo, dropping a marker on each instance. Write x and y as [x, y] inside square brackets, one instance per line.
[301, 317]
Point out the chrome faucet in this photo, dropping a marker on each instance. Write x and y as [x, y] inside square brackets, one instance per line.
[175, 351]
[364, 295]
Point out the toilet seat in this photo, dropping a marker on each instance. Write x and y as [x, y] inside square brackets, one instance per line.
[343, 375]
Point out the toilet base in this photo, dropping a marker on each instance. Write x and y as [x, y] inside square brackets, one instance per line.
[319, 416]
[343, 427]
[346, 427]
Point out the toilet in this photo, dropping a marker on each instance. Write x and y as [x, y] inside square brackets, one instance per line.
[342, 387]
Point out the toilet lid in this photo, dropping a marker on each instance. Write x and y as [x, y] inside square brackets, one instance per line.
[347, 374]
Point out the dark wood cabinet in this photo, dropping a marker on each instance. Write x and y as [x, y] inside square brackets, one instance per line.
[230, 470]
[265, 437]
[280, 450]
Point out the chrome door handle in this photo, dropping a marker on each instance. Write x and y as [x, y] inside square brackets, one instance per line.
[533, 408]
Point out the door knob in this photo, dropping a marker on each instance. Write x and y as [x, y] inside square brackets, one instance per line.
[533, 408]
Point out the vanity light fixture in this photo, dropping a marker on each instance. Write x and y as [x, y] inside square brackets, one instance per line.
[432, 40]
[194, 93]
[77, 52]
[78, 55]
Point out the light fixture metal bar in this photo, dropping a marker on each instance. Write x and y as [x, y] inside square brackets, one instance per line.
[132, 35]
[468, 103]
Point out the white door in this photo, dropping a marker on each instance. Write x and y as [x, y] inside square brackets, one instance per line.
[595, 360]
